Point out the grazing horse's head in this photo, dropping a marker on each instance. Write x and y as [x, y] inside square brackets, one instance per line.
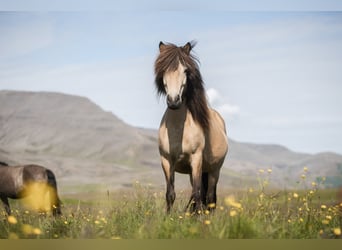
[173, 68]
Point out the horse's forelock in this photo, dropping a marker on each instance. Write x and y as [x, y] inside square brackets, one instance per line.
[168, 60]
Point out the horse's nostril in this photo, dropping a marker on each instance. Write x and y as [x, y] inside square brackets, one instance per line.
[177, 98]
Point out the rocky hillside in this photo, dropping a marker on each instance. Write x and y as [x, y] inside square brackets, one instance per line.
[84, 144]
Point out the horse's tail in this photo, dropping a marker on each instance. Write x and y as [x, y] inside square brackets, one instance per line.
[51, 179]
[3, 163]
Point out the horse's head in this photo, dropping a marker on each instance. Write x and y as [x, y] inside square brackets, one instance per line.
[172, 69]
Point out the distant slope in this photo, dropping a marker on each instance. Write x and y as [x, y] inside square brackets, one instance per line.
[73, 136]
[83, 144]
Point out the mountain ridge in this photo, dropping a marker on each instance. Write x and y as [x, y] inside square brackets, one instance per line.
[82, 144]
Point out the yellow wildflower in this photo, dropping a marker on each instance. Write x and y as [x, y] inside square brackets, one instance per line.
[323, 206]
[295, 195]
[11, 219]
[337, 231]
[230, 201]
[36, 198]
[325, 222]
[305, 169]
[207, 222]
[261, 171]
[212, 205]
[37, 231]
[232, 213]
[269, 170]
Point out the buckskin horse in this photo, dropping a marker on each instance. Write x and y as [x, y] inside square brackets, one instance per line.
[192, 136]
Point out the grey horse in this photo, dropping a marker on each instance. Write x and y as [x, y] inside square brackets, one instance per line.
[14, 181]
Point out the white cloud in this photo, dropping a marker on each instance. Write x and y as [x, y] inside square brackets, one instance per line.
[229, 109]
[213, 96]
[218, 102]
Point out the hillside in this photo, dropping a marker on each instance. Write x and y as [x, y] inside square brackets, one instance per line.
[83, 144]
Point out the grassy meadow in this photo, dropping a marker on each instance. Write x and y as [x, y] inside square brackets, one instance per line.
[308, 212]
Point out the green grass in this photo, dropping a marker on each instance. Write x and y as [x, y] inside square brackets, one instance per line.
[140, 214]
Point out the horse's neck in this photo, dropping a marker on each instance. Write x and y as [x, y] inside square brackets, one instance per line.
[177, 117]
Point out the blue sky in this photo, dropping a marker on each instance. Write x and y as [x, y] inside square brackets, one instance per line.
[275, 76]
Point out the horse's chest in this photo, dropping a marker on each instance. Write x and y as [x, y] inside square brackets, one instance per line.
[179, 143]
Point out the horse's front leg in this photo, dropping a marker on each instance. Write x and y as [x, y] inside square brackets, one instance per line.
[170, 183]
[6, 204]
[196, 177]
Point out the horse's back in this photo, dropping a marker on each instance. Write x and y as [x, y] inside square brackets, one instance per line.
[34, 173]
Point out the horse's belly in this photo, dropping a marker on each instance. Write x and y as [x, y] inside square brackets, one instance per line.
[182, 164]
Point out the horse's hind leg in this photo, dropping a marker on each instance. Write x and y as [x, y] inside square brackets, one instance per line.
[211, 197]
[6, 204]
[55, 202]
[56, 209]
[204, 188]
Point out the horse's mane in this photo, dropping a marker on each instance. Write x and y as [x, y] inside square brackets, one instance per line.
[3, 163]
[169, 58]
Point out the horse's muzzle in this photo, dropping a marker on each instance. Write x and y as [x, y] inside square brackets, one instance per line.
[174, 103]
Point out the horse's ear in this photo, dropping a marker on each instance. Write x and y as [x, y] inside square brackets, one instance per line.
[162, 46]
[187, 48]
